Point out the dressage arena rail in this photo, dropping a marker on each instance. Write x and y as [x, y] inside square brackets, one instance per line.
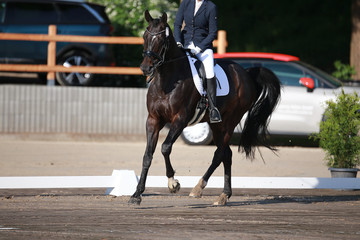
[52, 38]
[123, 182]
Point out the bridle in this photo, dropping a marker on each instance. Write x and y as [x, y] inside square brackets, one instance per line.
[161, 55]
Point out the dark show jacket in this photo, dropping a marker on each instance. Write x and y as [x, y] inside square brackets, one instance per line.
[201, 28]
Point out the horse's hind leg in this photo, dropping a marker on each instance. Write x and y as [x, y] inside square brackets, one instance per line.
[198, 189]
[227, 191]
[221, 155]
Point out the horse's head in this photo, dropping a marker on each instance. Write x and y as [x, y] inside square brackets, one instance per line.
[156, 43]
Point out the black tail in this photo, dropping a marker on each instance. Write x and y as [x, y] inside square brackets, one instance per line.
[255, 127]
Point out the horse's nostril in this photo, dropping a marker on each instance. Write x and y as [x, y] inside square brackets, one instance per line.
[146, 69]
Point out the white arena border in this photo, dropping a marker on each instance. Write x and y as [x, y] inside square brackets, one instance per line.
[123, 182]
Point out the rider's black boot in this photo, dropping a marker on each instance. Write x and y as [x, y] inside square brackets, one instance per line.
[214, 114]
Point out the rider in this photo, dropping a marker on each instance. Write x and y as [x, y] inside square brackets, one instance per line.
[199, 32]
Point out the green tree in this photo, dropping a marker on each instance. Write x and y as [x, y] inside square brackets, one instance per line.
[127, 16]
[343, 71]
[316, 31]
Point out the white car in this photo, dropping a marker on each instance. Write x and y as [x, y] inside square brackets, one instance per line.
[305, 90]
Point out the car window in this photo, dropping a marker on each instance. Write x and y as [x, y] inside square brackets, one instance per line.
[317, 83]
[330, 81]
[2, 12]
[30, 13]
[246, 63]
[71, 13]
[288, 75]
[101, 11]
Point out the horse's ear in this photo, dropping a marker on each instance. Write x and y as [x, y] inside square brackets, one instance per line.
[148, 17]
[164, 17]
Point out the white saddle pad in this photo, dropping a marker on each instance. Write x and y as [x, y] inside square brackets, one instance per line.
[222, 83]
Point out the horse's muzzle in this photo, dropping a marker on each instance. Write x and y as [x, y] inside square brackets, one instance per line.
[146, 69]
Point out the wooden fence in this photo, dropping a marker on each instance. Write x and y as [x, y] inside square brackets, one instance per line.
[52, 38]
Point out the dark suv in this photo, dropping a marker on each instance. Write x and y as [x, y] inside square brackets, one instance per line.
[72, 18]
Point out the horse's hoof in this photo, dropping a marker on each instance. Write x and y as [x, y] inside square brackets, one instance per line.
[198, 189]
[221, 200]
[173, 185]
[134, 200]
[196, 192]
[175, 188]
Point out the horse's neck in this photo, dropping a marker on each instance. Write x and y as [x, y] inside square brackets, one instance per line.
[173, 83]
[174, 51]
[174, 73]
[174, 60]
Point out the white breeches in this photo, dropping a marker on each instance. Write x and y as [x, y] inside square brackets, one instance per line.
[207, 58]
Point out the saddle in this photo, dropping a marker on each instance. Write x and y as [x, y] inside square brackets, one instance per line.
[198, 72]
[202, 105]
[200, 111]
[201, 71]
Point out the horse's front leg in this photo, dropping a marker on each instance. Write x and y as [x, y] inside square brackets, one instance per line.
[174, 133]
[152, 133]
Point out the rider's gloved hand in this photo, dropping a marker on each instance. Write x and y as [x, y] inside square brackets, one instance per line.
[196, 50]
[179, 45]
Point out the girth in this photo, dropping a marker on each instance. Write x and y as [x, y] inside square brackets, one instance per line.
[200, 111]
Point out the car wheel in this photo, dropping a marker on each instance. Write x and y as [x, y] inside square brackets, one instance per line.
[199, 134]
[75, 58]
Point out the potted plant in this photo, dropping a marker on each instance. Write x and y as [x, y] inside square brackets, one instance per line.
[339, 135]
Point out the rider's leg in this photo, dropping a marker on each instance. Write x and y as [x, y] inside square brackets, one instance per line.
[211, 85]
[207, 57]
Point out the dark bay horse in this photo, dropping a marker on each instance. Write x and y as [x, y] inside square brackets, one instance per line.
[172, 98]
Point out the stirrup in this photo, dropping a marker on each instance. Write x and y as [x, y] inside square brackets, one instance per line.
[215, 116]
